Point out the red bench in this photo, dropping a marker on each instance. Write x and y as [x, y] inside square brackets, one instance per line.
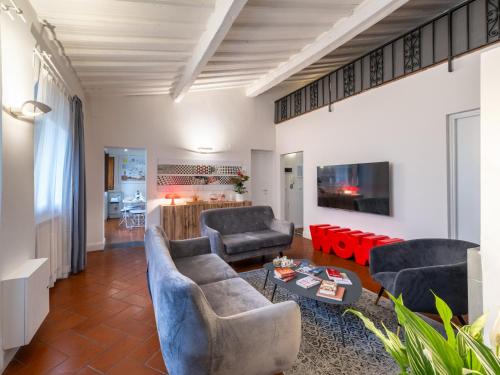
[323, 236]
[314, 229]
[327, 244]
[341, 243]
[346, 243]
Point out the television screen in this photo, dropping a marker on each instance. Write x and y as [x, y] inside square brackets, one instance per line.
[355, 187]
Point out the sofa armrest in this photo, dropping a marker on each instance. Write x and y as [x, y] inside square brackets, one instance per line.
[390, 258]
[260, 341]
[282, 226]
[189, 248]
[215, 238]
[449, 282]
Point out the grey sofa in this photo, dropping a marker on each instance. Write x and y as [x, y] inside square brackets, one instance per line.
[416, 268]
[245, 232]
[209, 320]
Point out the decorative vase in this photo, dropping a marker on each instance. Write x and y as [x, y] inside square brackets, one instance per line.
[240, 197]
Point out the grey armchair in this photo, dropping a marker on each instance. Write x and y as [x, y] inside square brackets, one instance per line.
[416, 268]
[245, 232]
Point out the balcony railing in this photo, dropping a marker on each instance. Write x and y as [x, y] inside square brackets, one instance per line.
[469, 26]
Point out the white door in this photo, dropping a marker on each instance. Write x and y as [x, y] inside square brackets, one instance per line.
[261, 177]
[464, 142]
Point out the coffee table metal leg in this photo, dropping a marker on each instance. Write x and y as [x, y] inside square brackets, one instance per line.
[265, 281]
[274, 291]
[342, 324]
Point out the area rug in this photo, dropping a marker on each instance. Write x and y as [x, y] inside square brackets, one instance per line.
[322, 350]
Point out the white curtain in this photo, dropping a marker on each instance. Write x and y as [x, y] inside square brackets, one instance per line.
[53, 150]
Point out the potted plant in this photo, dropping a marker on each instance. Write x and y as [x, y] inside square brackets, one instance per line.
[424, 351]
[239, 185]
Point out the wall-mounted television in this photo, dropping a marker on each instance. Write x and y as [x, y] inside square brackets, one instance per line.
[361, 187]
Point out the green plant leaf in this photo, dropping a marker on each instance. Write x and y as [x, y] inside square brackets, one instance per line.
[446, 315]
[392, 343]
[476, 328]
[468, 356]
[488, 360]
[444, 358]
[419, 362]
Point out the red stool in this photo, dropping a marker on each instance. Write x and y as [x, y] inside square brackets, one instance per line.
[327, 244]
[341, 243]
[322, 234]
[362, 256]
[315, 235]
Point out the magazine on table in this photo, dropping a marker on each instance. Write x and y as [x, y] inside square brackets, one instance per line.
[309, 270]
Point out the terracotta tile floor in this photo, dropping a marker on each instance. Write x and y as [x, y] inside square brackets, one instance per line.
[117, 234]
[101, 321]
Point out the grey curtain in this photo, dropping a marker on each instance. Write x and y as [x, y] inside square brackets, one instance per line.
[79, 214]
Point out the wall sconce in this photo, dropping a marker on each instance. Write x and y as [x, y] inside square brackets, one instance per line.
[205, 150]
[12, 8]
[28, 111]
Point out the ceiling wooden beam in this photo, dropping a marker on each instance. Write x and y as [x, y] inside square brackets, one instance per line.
[364, 16]
[219, 23]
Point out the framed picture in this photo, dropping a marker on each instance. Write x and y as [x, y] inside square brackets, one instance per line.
[132, 169]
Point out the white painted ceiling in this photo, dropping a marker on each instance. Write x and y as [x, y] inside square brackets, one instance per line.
[141, 47]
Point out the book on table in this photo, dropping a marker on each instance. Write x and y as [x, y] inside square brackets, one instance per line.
[330, 289]
[337, 276]
[308, 282]
[284, 273]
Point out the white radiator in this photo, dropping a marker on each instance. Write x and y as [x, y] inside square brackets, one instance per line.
[25, 302]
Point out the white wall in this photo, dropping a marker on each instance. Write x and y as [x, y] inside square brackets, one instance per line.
[490, 182]
[17, 224]
[226, 120]
[403, 122]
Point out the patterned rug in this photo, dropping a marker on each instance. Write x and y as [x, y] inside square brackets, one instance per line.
[322, 351]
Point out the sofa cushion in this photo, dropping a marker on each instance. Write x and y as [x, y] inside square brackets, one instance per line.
[270, 238]
[233, 296]
[386, 279]
[240, 242]
[248, 241]
[204, 269]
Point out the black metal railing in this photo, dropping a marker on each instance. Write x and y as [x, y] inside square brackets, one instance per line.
[471, 25]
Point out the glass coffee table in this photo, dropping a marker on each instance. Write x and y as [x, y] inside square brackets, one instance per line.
[351, 295]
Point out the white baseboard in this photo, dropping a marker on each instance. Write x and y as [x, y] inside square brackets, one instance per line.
[95, 246]
[8, 356]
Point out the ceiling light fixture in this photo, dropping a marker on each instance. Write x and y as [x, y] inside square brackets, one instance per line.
[28, 111]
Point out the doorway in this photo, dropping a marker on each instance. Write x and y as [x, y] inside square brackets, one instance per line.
[292, 168]
[124, 196]
[464, 176]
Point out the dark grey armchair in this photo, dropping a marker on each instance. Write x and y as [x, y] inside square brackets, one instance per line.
[245, 232]
[416, 268]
